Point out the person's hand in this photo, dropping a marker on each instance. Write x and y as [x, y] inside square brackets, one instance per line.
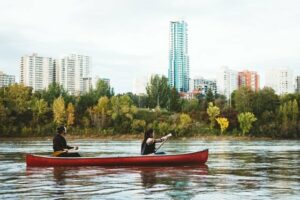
[164, 138]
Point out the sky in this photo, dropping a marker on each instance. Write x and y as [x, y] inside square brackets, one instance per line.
[128, 39]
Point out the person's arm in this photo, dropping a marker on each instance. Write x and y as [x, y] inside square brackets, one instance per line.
[151, 140]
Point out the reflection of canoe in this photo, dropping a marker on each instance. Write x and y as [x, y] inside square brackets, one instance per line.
[199, 157]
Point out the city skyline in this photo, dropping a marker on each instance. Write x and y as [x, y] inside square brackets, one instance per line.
[129, 39]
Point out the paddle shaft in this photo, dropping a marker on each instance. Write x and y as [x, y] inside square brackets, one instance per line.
[160, 145]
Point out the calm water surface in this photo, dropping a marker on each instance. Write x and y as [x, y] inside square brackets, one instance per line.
[235, 170]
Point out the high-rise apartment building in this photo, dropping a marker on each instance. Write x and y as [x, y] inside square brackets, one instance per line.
[37, 72]
[6, 80]
[249, 79]
[203, 85]
[139, 85]
[179, 70]
[227, 81]
[281, 80]
[73, 73]
[298, 84]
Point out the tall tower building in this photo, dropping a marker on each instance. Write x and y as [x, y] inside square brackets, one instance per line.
[73, 73]
[36, 71]
[179, 70]
[281, 80]
[249, 79]
[227, 81]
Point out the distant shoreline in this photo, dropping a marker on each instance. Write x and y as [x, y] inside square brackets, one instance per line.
[127, 137]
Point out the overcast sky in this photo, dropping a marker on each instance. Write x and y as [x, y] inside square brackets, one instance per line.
[129, 38]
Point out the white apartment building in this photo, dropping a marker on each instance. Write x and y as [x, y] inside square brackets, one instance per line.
[6, 80]
[73, 73]
[203, 85]
[227, 81]
[36, 71]
[281, 80]
[139, 86]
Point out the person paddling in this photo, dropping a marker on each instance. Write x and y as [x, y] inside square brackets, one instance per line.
[148, 144]
[60, 147]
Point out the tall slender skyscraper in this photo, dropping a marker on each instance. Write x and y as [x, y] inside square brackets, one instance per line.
[179, 70]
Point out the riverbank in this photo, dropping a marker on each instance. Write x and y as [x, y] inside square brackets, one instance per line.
[127, 137]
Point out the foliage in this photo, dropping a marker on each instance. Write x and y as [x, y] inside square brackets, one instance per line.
[213, 112]
[158, 91]
[138, 125]
[246, 119]
[59, 110]
[223, 122]
[70, 114]
[243, 100]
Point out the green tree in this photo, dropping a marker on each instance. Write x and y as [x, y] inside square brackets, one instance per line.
[213, 112]
[246, 119]
[122, 112]
[295, 112]
[175, 101]
[101, 111]
[54, 91]
[243, 100]
[158, 92]
[103, 89]
[39, 109]
[59, 112]
[138, 125]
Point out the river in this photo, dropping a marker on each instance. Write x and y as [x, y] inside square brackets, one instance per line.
[235, 170]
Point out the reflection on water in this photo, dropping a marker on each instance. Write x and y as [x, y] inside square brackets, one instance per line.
[235, 170]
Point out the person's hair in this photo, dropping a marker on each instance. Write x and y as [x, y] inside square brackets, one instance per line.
[148, 134]
[61, 129]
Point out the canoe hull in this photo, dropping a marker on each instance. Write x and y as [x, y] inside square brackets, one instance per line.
[199, 157]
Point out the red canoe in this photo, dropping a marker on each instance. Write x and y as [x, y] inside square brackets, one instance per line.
[199, 157]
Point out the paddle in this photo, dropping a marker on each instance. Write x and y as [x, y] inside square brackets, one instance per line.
[169, 135]
[57, 153]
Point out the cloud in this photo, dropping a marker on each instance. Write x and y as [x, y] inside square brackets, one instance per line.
[129, 38]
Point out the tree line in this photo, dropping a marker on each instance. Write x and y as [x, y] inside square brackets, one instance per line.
[100, 111]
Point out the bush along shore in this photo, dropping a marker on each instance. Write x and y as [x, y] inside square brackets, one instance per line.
[100, 113]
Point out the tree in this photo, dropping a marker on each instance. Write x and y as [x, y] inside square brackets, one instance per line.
[295, 112]
[70, 114]
[223, 122]
[175, 102]
[101, 112]
[213, 112]
[246, 119]
[122, 112]
[54, 91]
[59, 110]
[158, 91]
[265, 100]
[103, 89]
[209, 96]
[39, 108]
[243, 100]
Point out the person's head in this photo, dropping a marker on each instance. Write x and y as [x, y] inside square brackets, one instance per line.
[149, 133]
[61, 130]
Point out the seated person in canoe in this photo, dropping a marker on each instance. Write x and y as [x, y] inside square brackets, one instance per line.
[148, 144]
[60, 147]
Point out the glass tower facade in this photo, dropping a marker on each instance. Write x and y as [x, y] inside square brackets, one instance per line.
[179, 70]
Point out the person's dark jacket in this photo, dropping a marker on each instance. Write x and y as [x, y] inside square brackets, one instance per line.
[60, 143]
[147, 148]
